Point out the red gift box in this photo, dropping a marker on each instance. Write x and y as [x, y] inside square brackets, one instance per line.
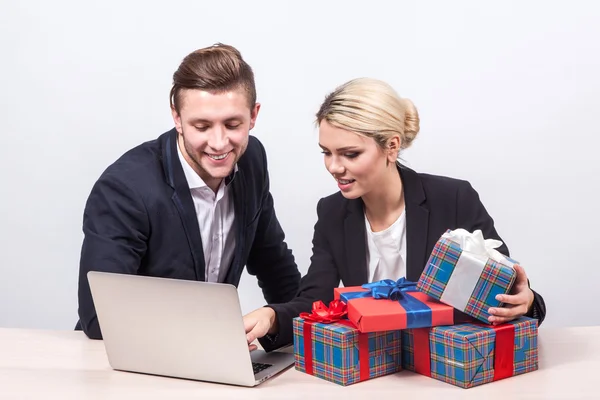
[413, 310]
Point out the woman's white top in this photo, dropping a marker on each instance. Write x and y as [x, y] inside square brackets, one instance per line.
[386, 250]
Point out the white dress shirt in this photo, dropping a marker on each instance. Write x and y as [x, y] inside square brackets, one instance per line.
[216, 217]
[386, 251]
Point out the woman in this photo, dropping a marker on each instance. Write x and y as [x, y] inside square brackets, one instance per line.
[386, 218]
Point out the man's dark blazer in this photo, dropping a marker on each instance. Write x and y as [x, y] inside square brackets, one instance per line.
[140, 219]
[433, 205]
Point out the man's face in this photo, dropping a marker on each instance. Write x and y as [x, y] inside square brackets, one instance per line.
[213, 131]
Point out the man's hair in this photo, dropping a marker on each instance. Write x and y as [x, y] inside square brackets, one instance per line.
[218, 68]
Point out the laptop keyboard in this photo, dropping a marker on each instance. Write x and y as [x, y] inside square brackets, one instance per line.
[257, 367]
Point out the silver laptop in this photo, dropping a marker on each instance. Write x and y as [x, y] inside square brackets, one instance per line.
[179, 328]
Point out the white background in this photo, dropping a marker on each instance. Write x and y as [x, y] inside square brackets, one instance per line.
[508, 93]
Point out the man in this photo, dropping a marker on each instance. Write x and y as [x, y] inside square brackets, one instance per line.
[194, 203]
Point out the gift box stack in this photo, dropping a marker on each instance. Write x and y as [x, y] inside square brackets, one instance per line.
[384, 327]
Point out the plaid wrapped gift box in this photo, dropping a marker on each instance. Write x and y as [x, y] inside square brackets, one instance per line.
[466, 272]
[470, 355]
[391, 305]
[336, 351]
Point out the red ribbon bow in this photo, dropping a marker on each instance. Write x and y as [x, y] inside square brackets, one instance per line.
[326, 315]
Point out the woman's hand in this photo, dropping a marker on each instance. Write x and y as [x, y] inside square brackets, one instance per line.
[516, 304]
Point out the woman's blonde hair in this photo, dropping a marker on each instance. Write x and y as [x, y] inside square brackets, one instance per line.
[371, 108]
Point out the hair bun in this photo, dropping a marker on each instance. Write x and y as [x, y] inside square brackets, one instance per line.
[411, 122]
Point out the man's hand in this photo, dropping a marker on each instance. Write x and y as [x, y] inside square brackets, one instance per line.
[516, 304]
[258, 323]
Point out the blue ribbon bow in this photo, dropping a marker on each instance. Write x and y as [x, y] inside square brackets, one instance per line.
[389, 289]
[418, 314]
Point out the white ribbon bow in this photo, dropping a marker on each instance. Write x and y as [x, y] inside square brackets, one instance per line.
[475, 244]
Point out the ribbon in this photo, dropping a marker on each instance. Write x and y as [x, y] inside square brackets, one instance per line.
[475, 244]
[418, 314]
[389, 289]
[320, 313]
[421, 353]
[504, 349]
[326, 315]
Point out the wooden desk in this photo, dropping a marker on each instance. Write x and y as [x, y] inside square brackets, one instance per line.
[38, 364]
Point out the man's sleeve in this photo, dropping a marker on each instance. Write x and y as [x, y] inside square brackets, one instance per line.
[116, 229]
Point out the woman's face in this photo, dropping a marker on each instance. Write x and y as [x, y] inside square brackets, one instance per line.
[356, 162]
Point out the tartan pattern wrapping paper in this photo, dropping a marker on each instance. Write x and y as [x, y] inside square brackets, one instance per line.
[495, 279]
[463, 355]
[335, 352]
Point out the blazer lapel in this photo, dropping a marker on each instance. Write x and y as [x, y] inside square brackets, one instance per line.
[182, 199]
[417, 222]
[355, 243]
[239, 198]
